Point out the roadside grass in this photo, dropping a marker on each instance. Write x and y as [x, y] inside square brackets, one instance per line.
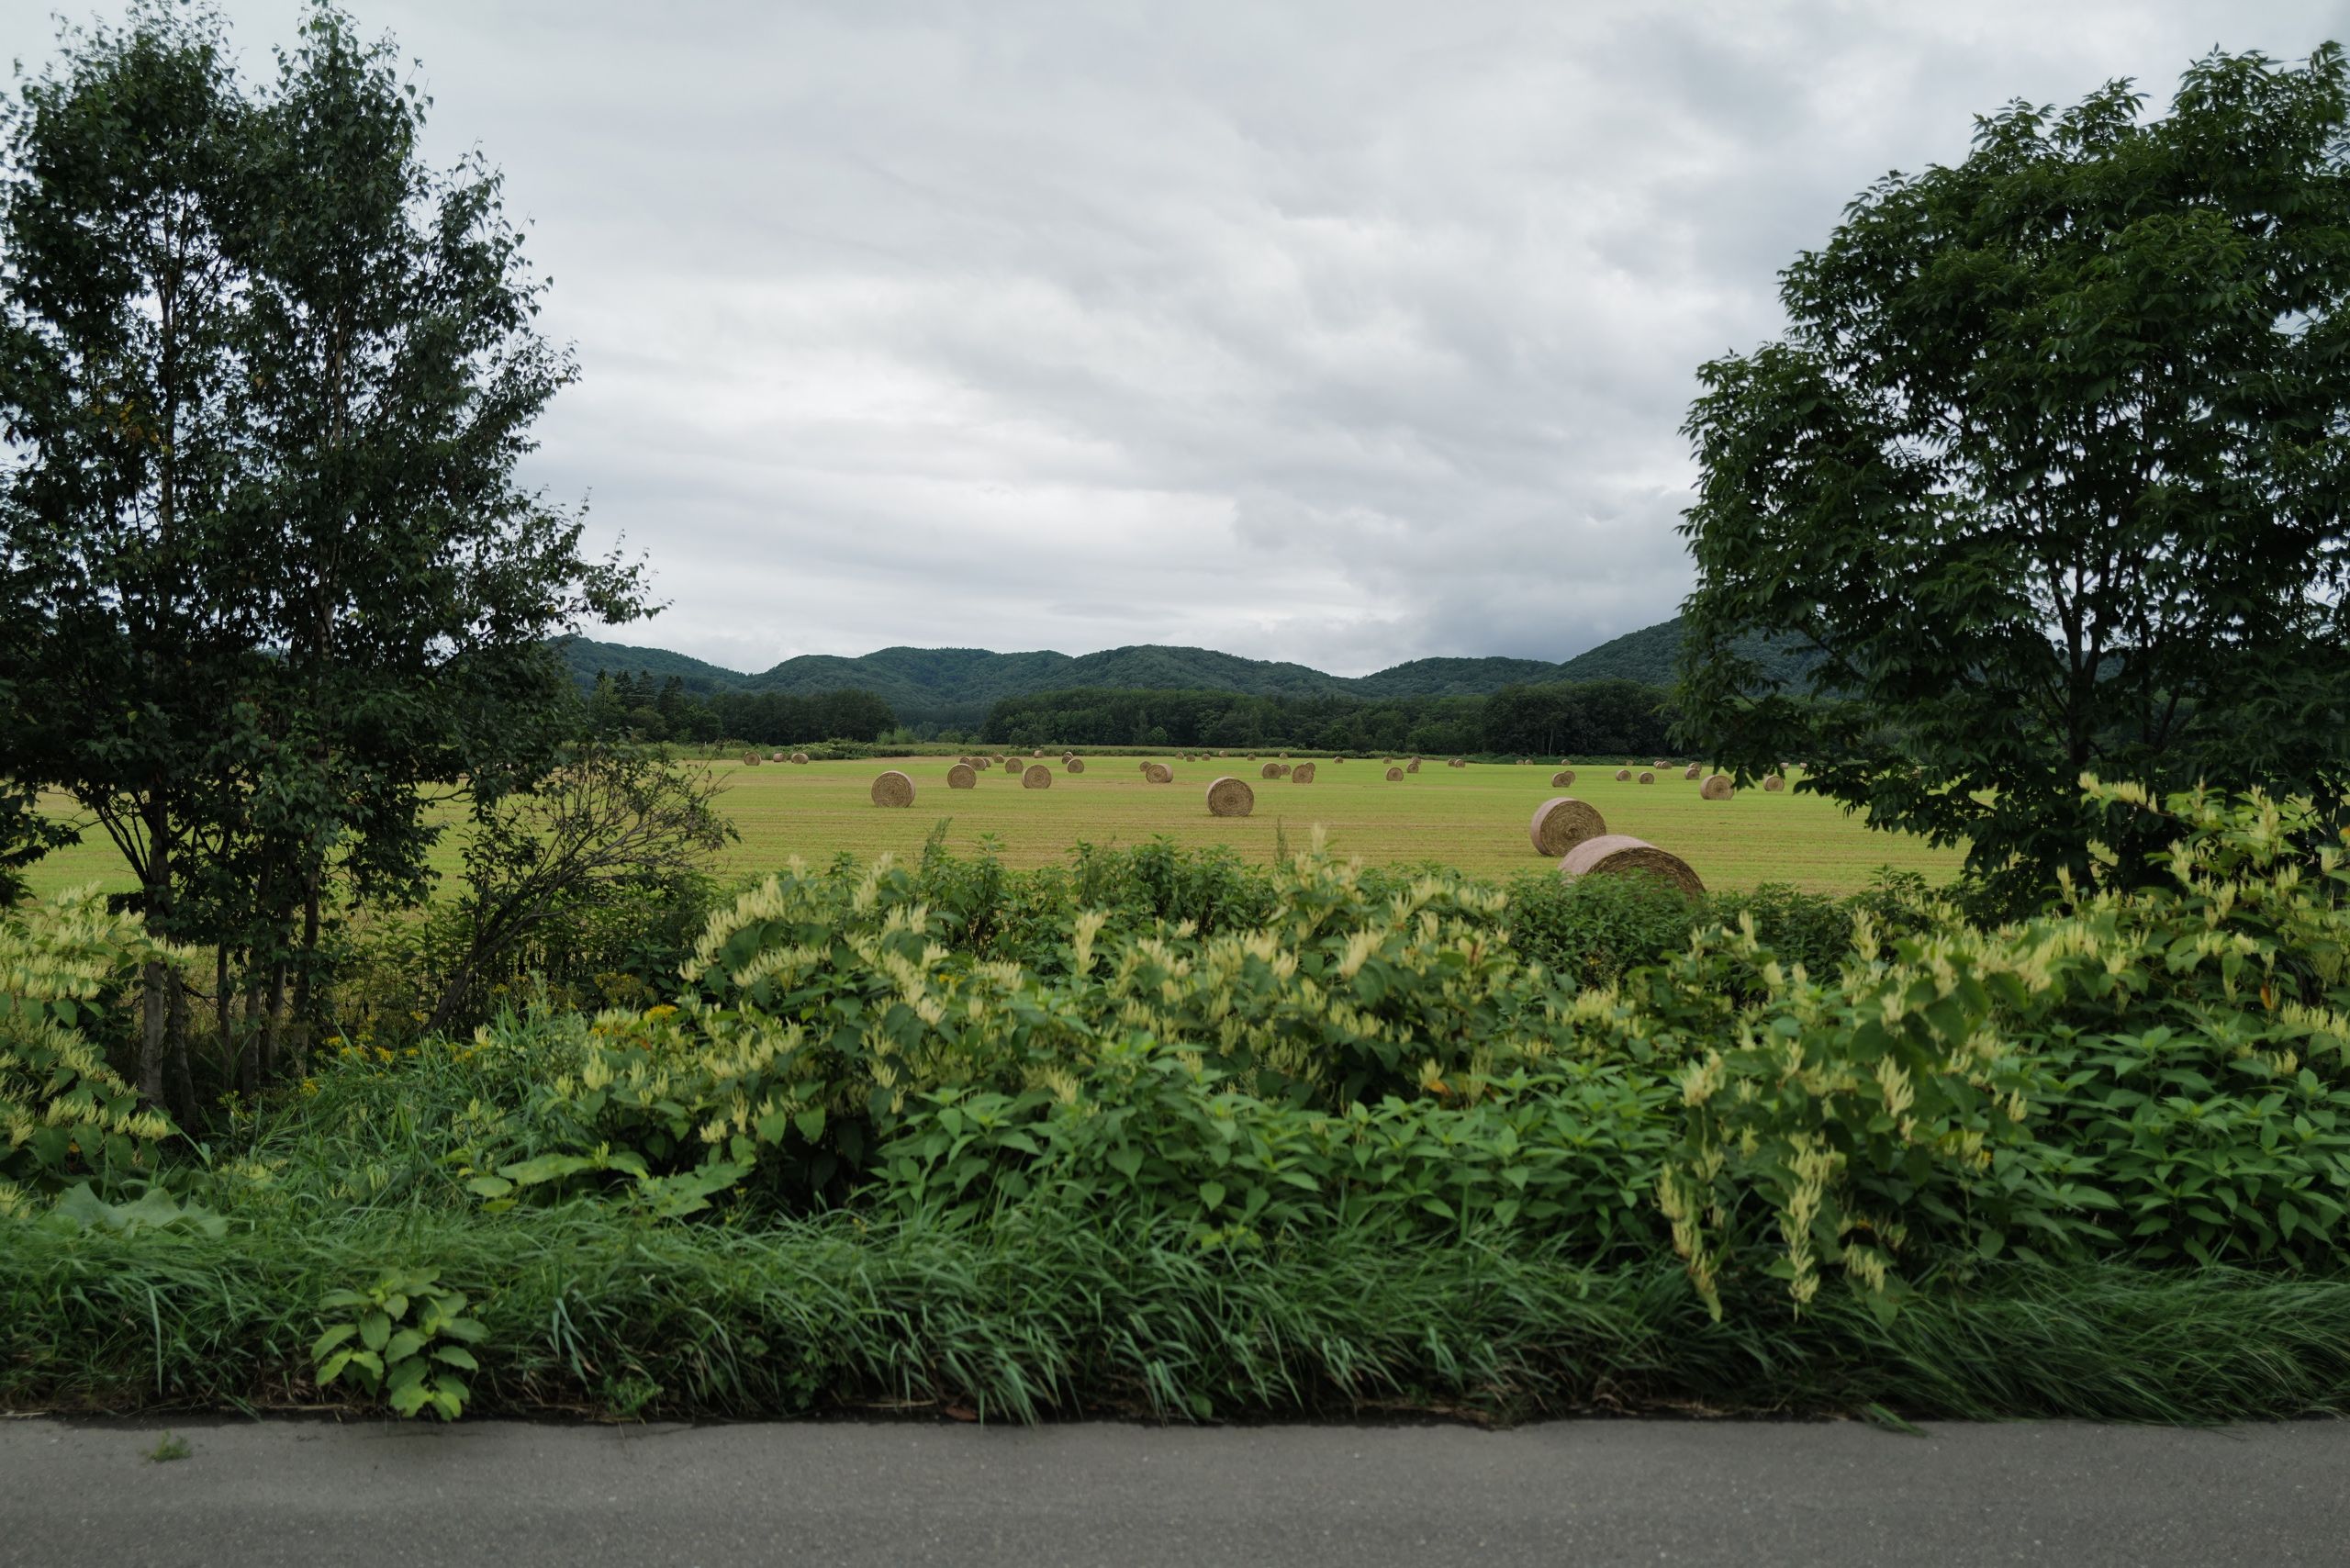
[597, 1316]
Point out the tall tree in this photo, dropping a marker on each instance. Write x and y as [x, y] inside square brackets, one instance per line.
[271, 582]
[2050, 470]
[396, 374]
[123, 620]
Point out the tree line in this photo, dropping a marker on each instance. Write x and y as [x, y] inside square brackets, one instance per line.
[1568, 718]
[636, 704]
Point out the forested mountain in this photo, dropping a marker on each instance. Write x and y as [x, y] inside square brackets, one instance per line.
[959, 686]
[962, 685]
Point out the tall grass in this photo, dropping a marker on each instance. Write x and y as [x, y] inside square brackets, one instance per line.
[1045, 1318]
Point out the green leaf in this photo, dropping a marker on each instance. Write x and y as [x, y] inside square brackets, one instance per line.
[546, 1168]
[456, 1356]
[331, 1338]
[375, 1328]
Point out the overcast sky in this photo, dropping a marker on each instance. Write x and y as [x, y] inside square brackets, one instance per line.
[1341, 332]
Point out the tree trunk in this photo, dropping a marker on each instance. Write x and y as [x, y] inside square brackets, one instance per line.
[177, 1078]
[154, 998]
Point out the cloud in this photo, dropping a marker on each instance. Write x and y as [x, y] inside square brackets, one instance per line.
[1336, 332]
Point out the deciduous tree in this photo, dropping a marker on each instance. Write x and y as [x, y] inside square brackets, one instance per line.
[2049, 471]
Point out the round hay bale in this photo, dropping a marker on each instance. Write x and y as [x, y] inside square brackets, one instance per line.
[1393, 774]
[1337, 759]
[1158, 773]
[1717, 787]
[1075, 764]
[962, 776]
[750, 759]
[1693, 771]
[1773, 783]
[1229, 797]
[1301, 773]
[1412, 766]
[1646, 776]
[1038, 752]
[894, 789]
[1037, 777]
[1562, 823]
[1623, 776]
[1457, 762]
[1562, 779]
[1270, 770]
[774, 756]
[1621, 854]
[800, 758]
[1659, 765]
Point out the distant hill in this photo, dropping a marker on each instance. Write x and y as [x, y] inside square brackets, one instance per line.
[959, 685]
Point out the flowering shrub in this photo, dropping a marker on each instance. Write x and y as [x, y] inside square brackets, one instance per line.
[65, 1115]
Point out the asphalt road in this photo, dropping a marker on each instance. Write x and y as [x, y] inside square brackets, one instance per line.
[520, 1496]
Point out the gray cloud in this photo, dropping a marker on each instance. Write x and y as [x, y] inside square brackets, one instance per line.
[1338, 331]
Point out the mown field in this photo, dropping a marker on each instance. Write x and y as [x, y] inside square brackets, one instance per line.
[1472, 819]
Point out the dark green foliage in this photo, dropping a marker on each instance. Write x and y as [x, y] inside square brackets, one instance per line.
[632, 705]
[1170, 719]
[2049, 476]
[266, 581]
[1593, 719]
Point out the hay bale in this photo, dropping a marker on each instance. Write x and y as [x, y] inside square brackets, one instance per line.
[1717, 787]
[1621, 854]
[1270, 770]
[1693, 771]
[1646, 776]
[1457, 762]
[1157, 773]
[1301, 773]
[894, 789]
[1393, 774]
[962, 776]
[774, 756]
[750, 759]
[1412, 766]
[800, 758]
[1075, 764]
[1623, 776]
[1038, 752]
[1562, 779]
[1562, 823]
[1037, 777]
[1773, 783]
[1337, 759]
[1659, 765]
[1229, 797]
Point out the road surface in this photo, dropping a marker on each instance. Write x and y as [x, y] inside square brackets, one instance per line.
[316, 1494]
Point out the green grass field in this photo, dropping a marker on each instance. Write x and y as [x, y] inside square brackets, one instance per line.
[1473, 818]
